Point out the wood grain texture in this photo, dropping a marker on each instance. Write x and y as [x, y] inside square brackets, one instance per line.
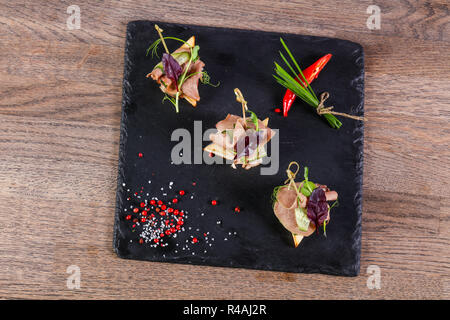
[60, 100]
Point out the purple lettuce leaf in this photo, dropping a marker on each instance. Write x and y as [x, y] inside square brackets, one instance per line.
[317, 208]
[248, 144]
[172, 68]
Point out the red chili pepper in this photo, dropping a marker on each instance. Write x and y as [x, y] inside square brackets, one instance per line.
[310, 73]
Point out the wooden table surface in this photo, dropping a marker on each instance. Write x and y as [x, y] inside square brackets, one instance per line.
[60, 105]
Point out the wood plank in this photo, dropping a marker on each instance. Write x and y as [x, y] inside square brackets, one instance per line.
[82, 82]
[428, 20]
[72, 190]
[60, 100]
[79, 233]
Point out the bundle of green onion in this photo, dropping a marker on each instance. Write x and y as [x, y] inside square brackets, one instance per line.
[294, 84]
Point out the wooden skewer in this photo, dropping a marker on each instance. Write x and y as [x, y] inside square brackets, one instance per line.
[162, 39]
[291, 179]
[240, 98]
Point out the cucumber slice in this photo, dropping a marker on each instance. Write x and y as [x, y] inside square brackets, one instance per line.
[302, 219]
[181, 57]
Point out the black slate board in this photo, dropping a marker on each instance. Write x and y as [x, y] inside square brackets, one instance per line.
[242, 59]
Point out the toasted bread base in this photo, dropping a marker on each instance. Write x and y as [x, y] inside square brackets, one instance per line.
[219, 151]
[224, 153]
[192, 101]
[190, 43]
[297, 239]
